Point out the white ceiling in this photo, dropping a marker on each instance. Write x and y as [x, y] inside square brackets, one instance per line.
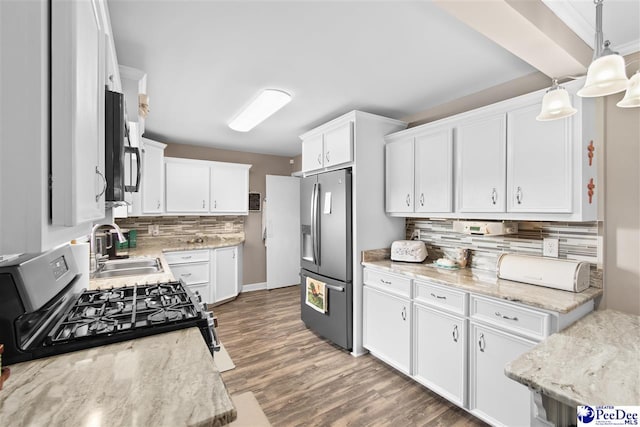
[206, 59]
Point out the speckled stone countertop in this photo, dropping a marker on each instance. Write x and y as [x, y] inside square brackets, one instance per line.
[154, 247]
[596, 361]
[162, 380]
[487, 283]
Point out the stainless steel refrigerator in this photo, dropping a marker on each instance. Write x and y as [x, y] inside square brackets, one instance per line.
[326, 255]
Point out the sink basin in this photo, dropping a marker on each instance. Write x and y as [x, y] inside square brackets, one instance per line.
[128, 267]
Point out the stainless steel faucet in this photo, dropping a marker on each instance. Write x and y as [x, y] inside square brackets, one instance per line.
[92, 238]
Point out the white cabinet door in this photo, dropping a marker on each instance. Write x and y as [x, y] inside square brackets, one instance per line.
[481, 164]
[312, 153]
[440, 353]
[399, 176]
[77, 113]
[434, 172]
[225, 274]
[338, 145]
[387, 328]
[187, 187]
[492, 395]
[229, 188]
[539, 162]
[152, 191]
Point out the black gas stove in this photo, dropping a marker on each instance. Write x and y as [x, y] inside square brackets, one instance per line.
[42, 312]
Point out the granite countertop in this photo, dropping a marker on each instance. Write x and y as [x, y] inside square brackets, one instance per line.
[155, 247]
[487, 283]
[165, 379]
[596, 361]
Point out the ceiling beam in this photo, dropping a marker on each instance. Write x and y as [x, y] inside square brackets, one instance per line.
[529, 30]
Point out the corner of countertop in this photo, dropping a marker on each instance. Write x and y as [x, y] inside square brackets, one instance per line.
[373, 255]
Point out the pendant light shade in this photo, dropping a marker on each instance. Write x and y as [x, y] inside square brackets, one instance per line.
[632, 97]
[606, 76]
[556, 104]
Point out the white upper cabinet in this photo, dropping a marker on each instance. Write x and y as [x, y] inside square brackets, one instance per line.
[77, 112]
[507, 164]
[539, 166]
[481, 161]
[328, 146]
[203, 187]
[338, 145]
[187, 186]
[433, 172]
[419, 173]
[229, 188]
[312, 155]
[152, 191]
[399, 176]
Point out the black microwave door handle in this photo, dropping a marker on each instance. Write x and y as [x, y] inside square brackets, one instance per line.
[134, 188]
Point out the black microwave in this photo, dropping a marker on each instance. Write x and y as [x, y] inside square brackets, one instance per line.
[119, 154]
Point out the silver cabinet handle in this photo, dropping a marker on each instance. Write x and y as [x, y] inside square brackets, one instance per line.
[404, 313]
[186, 257]
[185, 274]
[158, 207]
[481, 343]
[494, 196]
[438, 296]
[519, 195]
[455, 333]
[104, 184]
[421, 199]
[326, 156]
[514, 318]
[319, 159]
[385, 282]
[215, 204]
[203, 203]
[233, 255]
[408, 200]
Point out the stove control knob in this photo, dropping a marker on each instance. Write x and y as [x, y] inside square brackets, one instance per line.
[198, 296]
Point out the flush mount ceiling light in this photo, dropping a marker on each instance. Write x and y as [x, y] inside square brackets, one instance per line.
[261, 107]
[606, 74]
[556, 103]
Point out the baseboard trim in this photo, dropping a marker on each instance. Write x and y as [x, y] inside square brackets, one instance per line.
[254, 287]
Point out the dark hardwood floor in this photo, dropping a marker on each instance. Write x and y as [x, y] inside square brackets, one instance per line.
[300, 379]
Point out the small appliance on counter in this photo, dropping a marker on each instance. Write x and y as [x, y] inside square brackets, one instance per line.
[563, 274]
[485, 228]
[408, 251]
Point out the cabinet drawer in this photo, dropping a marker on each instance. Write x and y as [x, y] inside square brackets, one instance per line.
[181, 257]
[191, 273]
[440, 296]
[530, 323]
[388, 282]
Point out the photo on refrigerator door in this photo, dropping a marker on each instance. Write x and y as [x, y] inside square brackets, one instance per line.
[316, 295]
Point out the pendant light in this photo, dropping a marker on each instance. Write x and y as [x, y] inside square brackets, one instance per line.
[606, 74]
[632, 97]
[556, 103]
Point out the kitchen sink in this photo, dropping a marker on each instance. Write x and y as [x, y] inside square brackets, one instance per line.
[128, 267]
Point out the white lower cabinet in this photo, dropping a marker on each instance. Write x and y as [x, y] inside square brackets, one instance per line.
[387, 328]
[440, 352]
[225, 273]
[213, 273]
[492, 396]
[457, 343]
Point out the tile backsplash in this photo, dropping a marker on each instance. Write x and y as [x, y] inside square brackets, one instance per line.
[178, 226]
[577, 241]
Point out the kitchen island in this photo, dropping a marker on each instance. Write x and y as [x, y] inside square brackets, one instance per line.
[596, 361]
[165, 379]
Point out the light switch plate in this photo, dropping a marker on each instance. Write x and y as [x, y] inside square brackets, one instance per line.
[550, 247]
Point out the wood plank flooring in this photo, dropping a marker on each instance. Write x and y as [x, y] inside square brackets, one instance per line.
[300, 379]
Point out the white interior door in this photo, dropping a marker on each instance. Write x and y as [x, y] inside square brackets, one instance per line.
[283, 231]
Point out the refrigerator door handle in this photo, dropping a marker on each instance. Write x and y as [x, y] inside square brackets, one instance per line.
[316, 224]
[335, 288]
[313, 225]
